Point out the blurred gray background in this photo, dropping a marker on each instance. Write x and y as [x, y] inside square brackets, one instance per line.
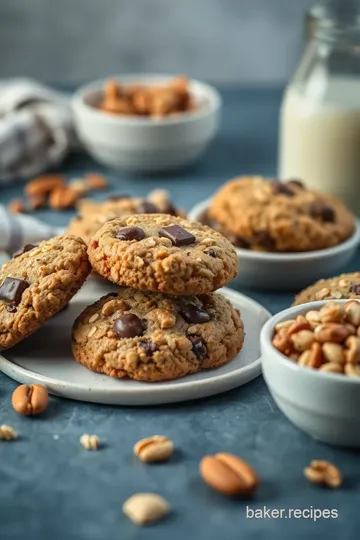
[225, 41]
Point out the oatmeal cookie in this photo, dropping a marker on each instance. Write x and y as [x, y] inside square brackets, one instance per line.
[93, 214]
[335, 288]
[269, 215]
[153, 337]
[37, 283]
[163, 253]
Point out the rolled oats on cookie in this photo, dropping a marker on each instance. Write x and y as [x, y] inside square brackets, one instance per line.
[93, 214]
[338, 287]
[270, 215]
[37, 283]
[153, 337]
[163, 253]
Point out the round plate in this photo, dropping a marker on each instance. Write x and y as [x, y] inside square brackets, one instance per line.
[45, 357]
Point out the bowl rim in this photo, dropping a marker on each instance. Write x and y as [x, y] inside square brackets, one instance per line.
[79, 104]
[348, 244]
[268, 348]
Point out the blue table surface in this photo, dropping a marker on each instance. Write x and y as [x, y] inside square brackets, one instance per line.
[52, 488]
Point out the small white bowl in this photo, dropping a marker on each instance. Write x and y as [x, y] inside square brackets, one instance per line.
[141, 144]
[287, 271]
[325, 405]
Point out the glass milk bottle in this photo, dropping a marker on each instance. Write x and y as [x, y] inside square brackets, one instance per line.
[320, 113]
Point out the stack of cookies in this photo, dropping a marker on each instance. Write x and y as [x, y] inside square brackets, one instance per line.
[164, 321]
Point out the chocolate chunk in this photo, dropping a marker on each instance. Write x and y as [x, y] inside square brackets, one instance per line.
[130, 233]
[240, 242]
[212, 253]
[177, 235]
[26, 248]
[193, 314]
[118, 197]
[198, 347]
[355, 288]
[264, 240]
[147, 207]
[12, 288]
[11, 308]
[149, 347]
[128, 326]
[323, 211]
[297, 183]
[281, 188]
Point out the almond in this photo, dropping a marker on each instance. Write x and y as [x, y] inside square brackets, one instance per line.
[63, 197]
[43, 185]
[228, 474]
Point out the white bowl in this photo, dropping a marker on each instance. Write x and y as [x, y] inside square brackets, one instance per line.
[325, 405]
[287, 271]
[140, 144]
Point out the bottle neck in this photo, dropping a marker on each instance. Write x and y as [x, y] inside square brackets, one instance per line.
[341, 25]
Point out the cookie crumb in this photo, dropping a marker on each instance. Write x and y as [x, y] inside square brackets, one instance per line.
[90, 442]
[7, 433]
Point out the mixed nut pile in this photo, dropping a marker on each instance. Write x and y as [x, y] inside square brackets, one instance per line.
[327, 339]
[226, 473]
[153, 101]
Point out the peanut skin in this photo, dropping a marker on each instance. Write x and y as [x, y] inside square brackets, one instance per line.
[30, 400]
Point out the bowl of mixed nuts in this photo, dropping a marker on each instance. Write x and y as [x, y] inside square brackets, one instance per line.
[146, 123]
[311, 365]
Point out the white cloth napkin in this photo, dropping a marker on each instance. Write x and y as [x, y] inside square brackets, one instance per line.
[17, 230]
[36, 128]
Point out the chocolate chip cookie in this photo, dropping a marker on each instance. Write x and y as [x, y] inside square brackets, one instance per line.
[335, 288]
[37, 283]
[269, 215]
[153, 337]
[163, 253]
[93, 214]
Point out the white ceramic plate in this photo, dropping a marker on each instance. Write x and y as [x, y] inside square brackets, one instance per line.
[45, 358]
[288, 271]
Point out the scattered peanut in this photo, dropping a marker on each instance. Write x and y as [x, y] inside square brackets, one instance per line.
[30, 400]
[7, 433]
[143, 508]
[323, 472]
[228, 474]
[90, 442]
[154, 449]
